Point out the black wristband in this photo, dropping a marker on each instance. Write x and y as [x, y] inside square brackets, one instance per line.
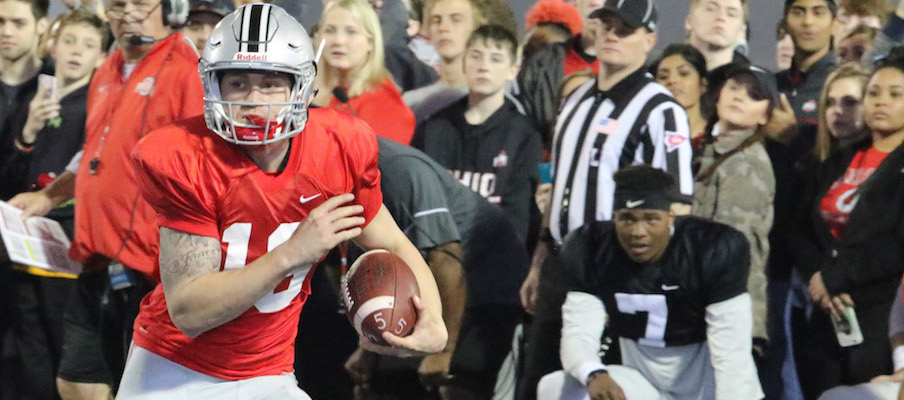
[22, 146]
[593, 374]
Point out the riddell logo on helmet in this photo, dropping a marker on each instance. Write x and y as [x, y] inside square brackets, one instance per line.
[250, 57]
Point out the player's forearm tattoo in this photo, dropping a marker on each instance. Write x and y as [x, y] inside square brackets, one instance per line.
[183, 255]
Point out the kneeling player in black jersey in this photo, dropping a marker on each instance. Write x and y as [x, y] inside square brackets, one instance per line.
[672, 289]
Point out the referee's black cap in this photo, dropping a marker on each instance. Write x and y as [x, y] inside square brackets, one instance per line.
[634, 13]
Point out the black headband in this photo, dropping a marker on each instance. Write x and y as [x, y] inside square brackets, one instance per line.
[643, 199]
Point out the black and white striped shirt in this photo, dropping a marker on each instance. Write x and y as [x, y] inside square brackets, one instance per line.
[597, 133]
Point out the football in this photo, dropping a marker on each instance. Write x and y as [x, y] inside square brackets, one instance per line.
[377, 291]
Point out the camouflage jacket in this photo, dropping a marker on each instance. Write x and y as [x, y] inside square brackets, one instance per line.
[739, 193]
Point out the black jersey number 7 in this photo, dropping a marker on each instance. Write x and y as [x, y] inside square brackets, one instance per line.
[657, 314]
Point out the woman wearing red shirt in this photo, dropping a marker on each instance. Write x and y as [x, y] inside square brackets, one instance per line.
[852, 247]
[353, 61]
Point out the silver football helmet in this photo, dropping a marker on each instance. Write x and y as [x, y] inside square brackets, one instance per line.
[258, 37]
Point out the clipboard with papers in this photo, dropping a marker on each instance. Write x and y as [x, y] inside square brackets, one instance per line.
[38, 241]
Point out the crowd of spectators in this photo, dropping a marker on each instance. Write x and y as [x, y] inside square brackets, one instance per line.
[802, 159]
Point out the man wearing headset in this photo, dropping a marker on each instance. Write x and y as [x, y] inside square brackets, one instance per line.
[249, 199]
[149, 82]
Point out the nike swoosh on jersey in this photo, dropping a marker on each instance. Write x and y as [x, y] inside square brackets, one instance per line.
[307, 199]
[669, 288]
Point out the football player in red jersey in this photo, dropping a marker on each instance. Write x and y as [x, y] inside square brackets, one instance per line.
[249, 199]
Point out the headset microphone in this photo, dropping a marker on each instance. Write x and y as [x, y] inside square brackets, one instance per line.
[141, 40]
[342, 96]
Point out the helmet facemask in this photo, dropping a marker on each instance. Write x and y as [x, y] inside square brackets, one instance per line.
[283, 119]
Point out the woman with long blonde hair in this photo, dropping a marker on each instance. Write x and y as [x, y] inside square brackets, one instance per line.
[841, 110]
[353, 62]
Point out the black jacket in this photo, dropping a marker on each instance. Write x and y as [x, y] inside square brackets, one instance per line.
[497, 159]
[868, 261]
[539, 82]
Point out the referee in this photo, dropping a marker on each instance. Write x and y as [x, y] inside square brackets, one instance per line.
[622, 118]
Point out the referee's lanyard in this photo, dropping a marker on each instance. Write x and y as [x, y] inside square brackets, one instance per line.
[111, 107]
[589, 208]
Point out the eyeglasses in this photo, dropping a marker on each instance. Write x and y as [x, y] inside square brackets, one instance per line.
[140, 10]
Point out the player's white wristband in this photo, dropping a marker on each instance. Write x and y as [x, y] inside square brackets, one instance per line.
[897, 357]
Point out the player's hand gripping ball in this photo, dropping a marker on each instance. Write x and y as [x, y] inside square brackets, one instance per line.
[378, 291]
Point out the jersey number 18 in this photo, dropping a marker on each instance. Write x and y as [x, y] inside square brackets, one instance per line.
[237, 236]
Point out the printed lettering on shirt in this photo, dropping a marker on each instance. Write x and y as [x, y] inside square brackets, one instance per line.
[842, 197]
[847, 201]
[484, 183]
[854, 177]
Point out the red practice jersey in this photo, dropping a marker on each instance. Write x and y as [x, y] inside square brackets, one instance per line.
[200, 184]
